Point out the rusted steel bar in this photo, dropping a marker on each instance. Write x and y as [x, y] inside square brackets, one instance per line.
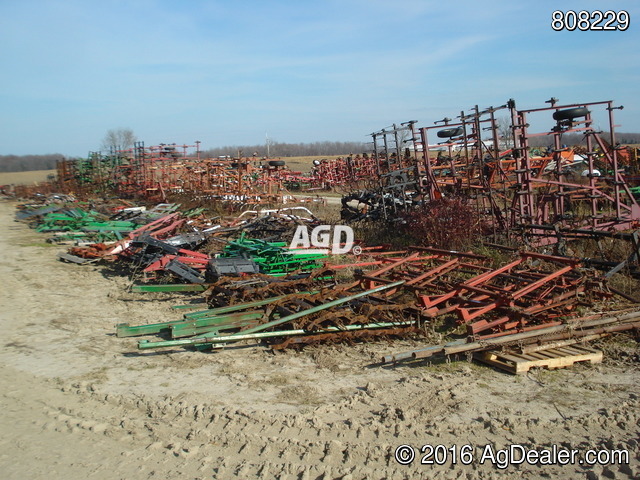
[551, 258]
[350, 265]
[586, 334]
[372, 279]
[486, 344]
[393, 265]
[623, 295]
[536, 347]
[455, 253]
[220, 339]
[434, 271]
[516, 327]
[581, 232]
[482, 325]
[589, 325]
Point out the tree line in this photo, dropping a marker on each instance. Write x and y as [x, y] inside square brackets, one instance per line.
[25, 163]
[281, 149]
[572, 139]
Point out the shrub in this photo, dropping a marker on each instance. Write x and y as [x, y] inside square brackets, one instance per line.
[449, 223]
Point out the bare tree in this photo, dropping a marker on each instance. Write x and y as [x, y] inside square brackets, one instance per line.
[404, 140]
[505, 132]
[118, 139]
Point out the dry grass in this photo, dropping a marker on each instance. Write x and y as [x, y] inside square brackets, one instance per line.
[304, 164]
[24, 178]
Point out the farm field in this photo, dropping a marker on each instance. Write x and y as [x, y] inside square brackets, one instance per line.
[24, 178]
[305, 164]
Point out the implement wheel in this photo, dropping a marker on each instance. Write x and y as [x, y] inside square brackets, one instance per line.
[570, 113]
[449, 132]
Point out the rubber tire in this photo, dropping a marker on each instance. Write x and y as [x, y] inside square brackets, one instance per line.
[276, 163]
[570, 113]
[449, 132]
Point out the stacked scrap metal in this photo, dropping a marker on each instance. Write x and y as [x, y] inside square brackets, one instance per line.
[531, 289]
[425, 288]
[294, 319]
[164, 240]
[157, 255]
[571, 332]
[273, 258]
[230, 291]
[258, 290]
[81, 223]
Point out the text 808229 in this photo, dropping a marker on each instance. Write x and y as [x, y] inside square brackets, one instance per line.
[590, 21]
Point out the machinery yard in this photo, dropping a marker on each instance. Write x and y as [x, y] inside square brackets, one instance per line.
[335, 240]
[161, 323]
[172, 315]
[83, 403]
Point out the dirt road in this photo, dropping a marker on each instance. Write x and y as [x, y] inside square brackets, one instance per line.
[80, 403]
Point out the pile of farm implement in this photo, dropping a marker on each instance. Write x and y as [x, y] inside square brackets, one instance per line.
[527, 290]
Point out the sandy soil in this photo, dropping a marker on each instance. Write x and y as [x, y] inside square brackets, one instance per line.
[80, 403]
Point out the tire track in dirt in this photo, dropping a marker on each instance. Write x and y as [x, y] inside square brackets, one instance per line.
[229, 441]
[80, 403]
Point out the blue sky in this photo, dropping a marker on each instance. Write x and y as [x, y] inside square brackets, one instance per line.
[229, 72]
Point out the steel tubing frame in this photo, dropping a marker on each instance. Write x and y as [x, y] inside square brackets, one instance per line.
[530, 203]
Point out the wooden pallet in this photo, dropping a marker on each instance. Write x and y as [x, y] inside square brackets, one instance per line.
[518, 363]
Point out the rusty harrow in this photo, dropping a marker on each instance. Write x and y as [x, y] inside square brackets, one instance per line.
[404, 295]
[532, 289]
[339, 313]
[229, 291]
